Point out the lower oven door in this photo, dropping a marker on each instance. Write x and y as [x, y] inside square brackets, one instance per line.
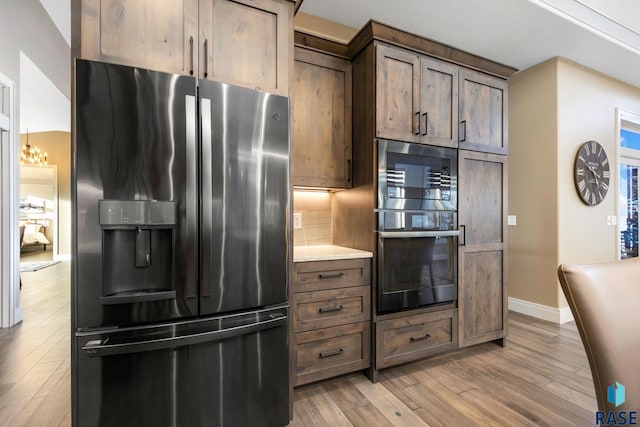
[230, 370]
[416, 269]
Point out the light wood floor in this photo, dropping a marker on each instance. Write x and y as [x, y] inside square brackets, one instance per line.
[541, 378]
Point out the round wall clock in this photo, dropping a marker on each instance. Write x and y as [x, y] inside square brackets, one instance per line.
[591, 173]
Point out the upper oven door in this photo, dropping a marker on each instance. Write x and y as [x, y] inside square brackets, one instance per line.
[416, 176]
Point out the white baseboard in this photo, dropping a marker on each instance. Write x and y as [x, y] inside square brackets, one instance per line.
[62, 257]
[544, 312]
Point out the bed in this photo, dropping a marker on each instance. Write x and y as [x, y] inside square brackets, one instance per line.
[32, 234]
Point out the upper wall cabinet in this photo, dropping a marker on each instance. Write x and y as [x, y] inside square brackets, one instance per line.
[143, 33]
[243, 42]
[320, 120]
[416, 97]
[247, 43]
[483, 112]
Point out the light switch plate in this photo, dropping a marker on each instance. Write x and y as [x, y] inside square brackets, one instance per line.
[297, 220]
[511, 220]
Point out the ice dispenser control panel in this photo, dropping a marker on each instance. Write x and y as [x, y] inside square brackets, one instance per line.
[137, 212]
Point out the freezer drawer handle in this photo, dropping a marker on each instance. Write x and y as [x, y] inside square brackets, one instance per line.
[330, 309]
[98, 348]
[331, 353]
[330, 276]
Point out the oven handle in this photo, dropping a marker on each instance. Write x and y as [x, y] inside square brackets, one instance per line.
[98, 348]
[405, 234]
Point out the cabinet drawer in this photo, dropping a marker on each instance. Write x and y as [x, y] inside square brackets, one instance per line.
[414, 337]
[320, 275]
[323, 309]
[329, 352]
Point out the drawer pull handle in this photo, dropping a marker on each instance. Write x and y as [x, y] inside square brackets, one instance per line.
[426, 337]
[330, 276]
[331, 353]
[330, 309]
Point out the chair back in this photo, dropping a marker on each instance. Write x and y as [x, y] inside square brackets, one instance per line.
[605, 301]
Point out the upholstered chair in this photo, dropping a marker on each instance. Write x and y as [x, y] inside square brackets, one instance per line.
[605, 301]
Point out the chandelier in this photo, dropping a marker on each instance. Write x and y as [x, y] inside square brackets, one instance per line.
[32, 155]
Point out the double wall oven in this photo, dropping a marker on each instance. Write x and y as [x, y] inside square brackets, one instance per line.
[417, 232]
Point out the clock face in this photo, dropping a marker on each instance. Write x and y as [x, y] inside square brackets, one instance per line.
[592, 173]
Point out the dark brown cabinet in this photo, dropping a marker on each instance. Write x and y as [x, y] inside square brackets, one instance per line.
[483, 112]
[330, 318]
[416, 97]
[482, 208]
[320, 120]
[242, 42]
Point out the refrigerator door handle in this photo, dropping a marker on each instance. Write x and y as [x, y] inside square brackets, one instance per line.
[100, 348]
[191, 192]
[207, 192]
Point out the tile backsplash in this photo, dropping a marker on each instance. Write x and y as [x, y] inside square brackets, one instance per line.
[315, 209]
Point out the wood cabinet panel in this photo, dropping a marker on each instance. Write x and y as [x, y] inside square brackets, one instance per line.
[321, 275]
[438, 103]
[480, 199]
[328, 352]
[320, 120]
[483, 112]
[482, 210]
[413, 337]
[397, 94]
[482, 296]
[248, 43]
[142, 33]
[323, 309]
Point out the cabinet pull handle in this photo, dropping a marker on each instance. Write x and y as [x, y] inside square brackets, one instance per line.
[426, 337]
[330, 276]
[464, 131]
[330, 309]
[206, 59]
[417, 128]
[426, 118]
[349, 170]
[191, 55]
[331, 353]
[463, 241]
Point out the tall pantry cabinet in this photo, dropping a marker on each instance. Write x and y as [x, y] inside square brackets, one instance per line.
[242, 42]
[416, 90]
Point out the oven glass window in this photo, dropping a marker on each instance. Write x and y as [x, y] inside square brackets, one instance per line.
[418, 263]
[418, 177]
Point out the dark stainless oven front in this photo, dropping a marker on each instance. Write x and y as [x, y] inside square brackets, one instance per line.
[416, 176]
[416, 269]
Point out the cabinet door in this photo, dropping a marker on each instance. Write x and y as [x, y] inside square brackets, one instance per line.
[438, 121]
[397, 94]
[483, 112]
[247, 43]
[482, 204]
[320, 120]
[142, 33]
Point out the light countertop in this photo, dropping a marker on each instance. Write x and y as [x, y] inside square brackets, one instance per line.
[327, 253]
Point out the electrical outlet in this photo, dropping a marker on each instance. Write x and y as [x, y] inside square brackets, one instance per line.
[297, 220]
[511, 220]
[612, 219]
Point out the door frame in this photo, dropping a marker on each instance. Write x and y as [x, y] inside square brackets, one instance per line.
[10, 309]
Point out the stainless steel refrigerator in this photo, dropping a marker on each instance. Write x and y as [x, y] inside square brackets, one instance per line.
[179, 274]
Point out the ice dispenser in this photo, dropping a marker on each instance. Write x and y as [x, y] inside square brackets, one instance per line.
[137, 250]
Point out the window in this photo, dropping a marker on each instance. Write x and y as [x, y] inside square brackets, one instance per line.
[629, 163]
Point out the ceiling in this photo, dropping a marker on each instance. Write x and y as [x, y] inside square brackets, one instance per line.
[601, 34]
